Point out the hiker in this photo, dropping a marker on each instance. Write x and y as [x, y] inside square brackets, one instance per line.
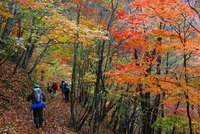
[54, 87]
[66, 91]
[62, 88]
[49, 88]
[38, 103]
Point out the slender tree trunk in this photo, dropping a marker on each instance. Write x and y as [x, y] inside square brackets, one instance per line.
[146, 106]
[187, 97]
[99, 69]
[25, 61]
[73, 86]
[42, 75]
[131, 121]
[147, 114]
[157, 100]
[163, 94]
[11, 21]
[29, 52]
[30, 46]
[2, 58]
[175, 111]
[19, 61]
[39, 57]
[186, 79]
[4, 61]
[99, 75]
[84, 117]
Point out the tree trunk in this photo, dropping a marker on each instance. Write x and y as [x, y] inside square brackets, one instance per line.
[73, 87]
[157, 100]
[40, 57]
[19, 61]
[99, 76]
[11, 21]
[175, 110]
[74, 71]
[187, 97]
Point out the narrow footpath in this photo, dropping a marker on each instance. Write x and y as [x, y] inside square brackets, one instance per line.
[20, 120]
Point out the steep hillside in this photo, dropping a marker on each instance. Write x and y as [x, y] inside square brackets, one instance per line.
[16, 115]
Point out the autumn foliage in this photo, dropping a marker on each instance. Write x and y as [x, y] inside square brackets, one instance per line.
[133, 65]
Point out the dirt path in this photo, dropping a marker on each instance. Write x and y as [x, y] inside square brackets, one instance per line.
[15, 114]
[20, 120]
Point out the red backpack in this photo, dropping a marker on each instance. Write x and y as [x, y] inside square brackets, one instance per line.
[55, 86]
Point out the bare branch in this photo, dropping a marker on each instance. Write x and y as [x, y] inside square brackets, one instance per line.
[193, 7]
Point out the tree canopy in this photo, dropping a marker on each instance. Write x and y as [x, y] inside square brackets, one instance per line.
[134, 65]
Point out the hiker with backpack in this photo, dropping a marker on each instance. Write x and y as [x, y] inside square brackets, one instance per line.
[54, 87]
[66, 91]
[62, 88]
[38, 103]
[49, 88]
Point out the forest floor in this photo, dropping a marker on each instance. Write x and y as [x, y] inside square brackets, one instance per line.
[16, 116]
[15, 113]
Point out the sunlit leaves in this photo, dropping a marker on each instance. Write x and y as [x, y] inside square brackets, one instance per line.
[30, 4]
[5, 14]
[167, 123]
[152, 30]
[64, 30]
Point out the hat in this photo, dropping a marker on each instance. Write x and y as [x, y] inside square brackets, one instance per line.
[36, 85]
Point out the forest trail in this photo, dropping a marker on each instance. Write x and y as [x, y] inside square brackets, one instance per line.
[16, 116]
[56, 116]
[133, 65]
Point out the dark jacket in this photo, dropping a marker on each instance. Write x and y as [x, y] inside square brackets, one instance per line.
[30, 96]
[66, 87]
[62, 85]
